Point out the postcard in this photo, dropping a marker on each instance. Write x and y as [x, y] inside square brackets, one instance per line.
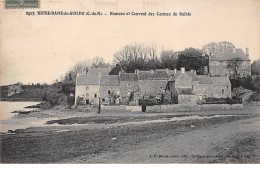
[130, 81]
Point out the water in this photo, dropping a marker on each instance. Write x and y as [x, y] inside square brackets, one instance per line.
[8, 121]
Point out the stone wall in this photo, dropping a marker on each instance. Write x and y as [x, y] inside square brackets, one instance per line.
[192, 108]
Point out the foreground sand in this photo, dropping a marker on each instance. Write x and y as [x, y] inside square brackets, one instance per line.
[131, 138]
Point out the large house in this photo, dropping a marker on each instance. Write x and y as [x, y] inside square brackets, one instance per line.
[220, 61]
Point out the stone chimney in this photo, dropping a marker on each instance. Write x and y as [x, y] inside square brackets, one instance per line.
[175, 71]
[136, 71]
[99, 77]
[182, 69]
[167, 71]
[247, 52]
[234, 50]
[192, 70]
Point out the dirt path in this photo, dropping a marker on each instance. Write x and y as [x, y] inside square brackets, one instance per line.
[215, 144]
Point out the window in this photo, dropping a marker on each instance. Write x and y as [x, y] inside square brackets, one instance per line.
[108, 92]
[222, 91]
[87, 95]
[95, 95]
[103, 99]
[128, 84]
[87, 87]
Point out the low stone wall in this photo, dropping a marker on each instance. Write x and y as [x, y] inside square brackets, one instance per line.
[117, 108]
[171, 108]
[134, 108]
[192, 108]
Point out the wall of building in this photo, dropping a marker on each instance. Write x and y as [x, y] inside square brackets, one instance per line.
[220, 68]
[218, 93]
[152, 87]
[126, 90]
[183, 81]
[205, 90]
[81, 91]
[13, 89]
[104, 93]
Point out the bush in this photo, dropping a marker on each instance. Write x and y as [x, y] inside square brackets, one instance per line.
[147, 102]
[52, 97]
[70, 100]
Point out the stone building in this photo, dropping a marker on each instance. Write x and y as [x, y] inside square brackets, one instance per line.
[14, 89]
[110, 89]
[219, 63]
[187, 87]
[153, 83]
[128, 86]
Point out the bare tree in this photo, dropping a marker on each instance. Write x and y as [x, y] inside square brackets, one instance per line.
[235, 66]
[211, 47]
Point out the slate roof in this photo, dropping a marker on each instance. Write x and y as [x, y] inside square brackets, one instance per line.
[128, 77]
[155, 75]
[220, 81]
[185, 91]
[89, 79]
[111, 80]
[204, 79]
[193, 75]
[227, 55]
[103, 71]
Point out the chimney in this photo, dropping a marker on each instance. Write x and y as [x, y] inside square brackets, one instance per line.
[192, 70]
[175, 71]
[167, 71]
[182, 69]
[136, 71]
[234, 50]
[99, 77]
[247, 52]
[119, 73]
[152, 71]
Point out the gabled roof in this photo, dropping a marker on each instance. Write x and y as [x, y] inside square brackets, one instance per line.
[204, 79]
[111, 80]
[220, 81]
[128, 77]
[103, 71]
[89, 79]
[185, 91]
[153, 75]
[227, 55]
[193, 75]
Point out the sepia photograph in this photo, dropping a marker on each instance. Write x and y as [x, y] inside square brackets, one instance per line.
[130, 82]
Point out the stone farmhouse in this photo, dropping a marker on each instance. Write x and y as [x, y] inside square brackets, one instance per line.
[219, 60]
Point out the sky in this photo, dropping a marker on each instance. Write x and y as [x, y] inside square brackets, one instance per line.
[42, 48]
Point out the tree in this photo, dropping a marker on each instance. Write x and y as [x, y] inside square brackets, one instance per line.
[137, 56]
[211, 47]
[255, 67]
[234, 66]
[168, 59]
[99, 62]
[192, 58]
